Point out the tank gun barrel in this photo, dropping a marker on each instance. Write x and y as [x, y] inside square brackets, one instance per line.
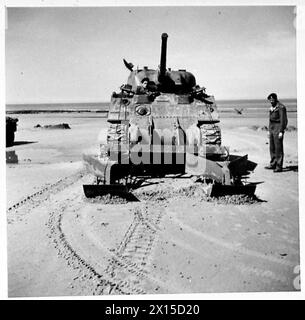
[163, 56]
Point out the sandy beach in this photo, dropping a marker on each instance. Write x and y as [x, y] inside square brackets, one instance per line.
[60, 243]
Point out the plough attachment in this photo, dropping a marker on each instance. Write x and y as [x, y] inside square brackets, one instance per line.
[95, 190]
[218, 178]
[99, 190]
[219, 190]
[222, 177]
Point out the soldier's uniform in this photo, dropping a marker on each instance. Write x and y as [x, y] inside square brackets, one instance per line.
[277, 123]
[141, 90]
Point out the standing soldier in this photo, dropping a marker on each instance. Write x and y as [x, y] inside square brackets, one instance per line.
[277, 125]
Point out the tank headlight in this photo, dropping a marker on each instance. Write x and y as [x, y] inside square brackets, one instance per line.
[142, 110]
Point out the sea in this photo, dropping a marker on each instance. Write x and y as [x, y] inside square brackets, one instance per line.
[224, 106]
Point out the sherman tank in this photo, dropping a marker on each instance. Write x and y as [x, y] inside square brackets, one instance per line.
[163, 123]
[11, 128]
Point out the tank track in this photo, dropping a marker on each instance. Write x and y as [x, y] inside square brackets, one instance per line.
[210, 134]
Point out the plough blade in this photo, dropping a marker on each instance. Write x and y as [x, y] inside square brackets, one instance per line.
[96, 190]
[219, 190]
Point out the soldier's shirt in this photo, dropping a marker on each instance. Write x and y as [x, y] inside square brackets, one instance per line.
[278, 114]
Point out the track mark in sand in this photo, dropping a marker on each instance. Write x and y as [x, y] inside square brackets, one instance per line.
[88, 279]
[262, 274]
[34, 200]
[130, 263]
[133, 254]
[230, 246]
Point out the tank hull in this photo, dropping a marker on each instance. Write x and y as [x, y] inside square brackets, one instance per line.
[170, 126]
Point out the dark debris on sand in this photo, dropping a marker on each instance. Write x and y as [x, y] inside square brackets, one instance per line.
[54, 126]
[196, 192]
[107, 199]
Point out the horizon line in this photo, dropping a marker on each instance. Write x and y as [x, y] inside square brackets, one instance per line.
[107, 101]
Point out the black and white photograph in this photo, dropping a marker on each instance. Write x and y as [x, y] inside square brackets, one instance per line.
[151, 149]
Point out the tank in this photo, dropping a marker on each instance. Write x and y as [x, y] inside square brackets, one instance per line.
[162, 122]
[11, 128]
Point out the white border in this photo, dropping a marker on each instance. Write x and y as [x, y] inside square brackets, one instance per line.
[301, 115]
[3, 239]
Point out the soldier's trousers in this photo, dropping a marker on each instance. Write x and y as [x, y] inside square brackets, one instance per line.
[276, 146]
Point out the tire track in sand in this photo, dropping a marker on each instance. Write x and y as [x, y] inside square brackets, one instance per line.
[89, 280]
[128, 265]
[260, 273]
[230, 246]
[132, 259]
[33, 200]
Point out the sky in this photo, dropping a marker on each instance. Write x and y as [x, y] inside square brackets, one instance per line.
[71, 54]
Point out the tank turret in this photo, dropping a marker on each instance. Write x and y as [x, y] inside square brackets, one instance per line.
[162, 79]
[173, 81]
